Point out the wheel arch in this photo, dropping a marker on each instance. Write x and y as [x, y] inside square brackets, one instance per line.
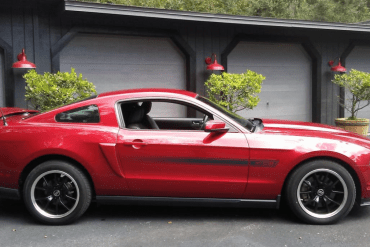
[351, 171]
[37, 161]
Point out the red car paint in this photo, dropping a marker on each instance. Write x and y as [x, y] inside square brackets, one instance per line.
[239, 164]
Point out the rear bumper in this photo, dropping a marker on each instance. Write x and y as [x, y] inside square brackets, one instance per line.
[9, 193]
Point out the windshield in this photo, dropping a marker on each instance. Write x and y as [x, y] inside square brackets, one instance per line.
[242, 121]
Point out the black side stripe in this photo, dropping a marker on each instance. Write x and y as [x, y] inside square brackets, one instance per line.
[264, 163]
[225, 162]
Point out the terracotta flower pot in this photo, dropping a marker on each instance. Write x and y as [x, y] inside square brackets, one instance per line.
[359, 126]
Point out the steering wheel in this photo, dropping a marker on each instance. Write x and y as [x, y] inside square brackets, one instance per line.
[204, 121]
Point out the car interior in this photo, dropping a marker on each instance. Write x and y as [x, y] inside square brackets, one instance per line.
[167, 116]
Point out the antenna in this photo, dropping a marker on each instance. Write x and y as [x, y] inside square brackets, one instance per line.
[3, 117]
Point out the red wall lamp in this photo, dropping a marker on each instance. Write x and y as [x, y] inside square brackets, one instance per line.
[22, 62]
[214, 65]
[338, 67]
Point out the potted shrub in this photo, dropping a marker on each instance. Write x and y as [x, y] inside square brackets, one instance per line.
[235, 92]
[48, 91]
[357, 83]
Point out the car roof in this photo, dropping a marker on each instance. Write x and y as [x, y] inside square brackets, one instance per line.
[148, 90]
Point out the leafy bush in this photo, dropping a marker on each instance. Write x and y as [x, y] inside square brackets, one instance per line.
[236, 92]
[48, 91]
[358, 84]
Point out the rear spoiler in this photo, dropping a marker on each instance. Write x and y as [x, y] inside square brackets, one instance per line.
[8, 111]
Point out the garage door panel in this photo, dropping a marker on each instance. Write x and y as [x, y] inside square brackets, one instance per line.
[274, 75]
[287, 87]
[121, 50]
[359, 59]
[115, 62]
[116, 77]
[265, 54]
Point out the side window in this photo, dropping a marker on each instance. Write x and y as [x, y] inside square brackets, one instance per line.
[162, 115]
[86, 114]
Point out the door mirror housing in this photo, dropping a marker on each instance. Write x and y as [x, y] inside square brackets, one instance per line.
[215, 126]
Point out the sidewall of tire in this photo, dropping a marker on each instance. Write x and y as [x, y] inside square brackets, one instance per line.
[296, 177]
[78, 176]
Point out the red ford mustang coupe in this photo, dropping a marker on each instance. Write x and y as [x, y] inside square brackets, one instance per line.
[176, 147]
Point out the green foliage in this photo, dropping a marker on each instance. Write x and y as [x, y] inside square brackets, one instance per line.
[235, 92]
[348, 11]
[49, 91]
[358, 84]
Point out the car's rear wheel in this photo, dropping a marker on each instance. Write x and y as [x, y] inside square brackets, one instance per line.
[56, 192]
[321, 192]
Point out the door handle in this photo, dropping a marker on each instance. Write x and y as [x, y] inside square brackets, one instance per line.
[135, 143]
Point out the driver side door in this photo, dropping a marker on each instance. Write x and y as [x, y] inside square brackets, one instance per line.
[183, 161]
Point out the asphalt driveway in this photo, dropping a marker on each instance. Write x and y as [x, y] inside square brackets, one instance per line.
[180, 226]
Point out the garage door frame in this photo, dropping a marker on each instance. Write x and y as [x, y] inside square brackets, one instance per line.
[9, 87]
[307, 46]
[184, 47]
[343, 57]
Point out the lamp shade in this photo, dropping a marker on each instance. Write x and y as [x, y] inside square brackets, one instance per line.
[22, 62]
[338, 68]
[215, 66]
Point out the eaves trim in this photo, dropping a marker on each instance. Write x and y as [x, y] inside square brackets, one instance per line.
[74, 6]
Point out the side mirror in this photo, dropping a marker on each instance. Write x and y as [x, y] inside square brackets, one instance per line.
[215, 126]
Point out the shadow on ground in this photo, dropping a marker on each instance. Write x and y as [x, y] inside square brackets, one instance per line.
[15, 210]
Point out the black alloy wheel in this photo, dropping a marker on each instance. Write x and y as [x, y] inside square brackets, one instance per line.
[321, 192]
[56, 192]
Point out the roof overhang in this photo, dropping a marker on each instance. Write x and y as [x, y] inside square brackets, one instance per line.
[75, 6]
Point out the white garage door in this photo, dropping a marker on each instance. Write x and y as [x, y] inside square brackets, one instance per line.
[359, 59]
[114, 62]
[2, 93]
[286, 92]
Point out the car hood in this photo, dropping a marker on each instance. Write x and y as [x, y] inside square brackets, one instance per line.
[297, 128]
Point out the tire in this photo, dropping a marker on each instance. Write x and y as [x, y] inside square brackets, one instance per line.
[320, 192]
[56, 193]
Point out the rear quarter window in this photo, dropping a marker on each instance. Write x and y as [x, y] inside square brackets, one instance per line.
[85, 114]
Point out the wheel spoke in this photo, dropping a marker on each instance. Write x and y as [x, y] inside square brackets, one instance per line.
[47, 204]
[334, 183]
[326, 176]
[47, 184]
[42, 198]
[317, 178]
[326, 205]
[307, 202]
[57, 206]
[63, 205]
[331, 200]
[40, 188]
[337, 192]
[305, 192]
[316, 205]
[71, 197]
[307, 183]
[56, 178]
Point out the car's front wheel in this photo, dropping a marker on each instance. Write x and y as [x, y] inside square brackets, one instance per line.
[56, 192]
[321, 192]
